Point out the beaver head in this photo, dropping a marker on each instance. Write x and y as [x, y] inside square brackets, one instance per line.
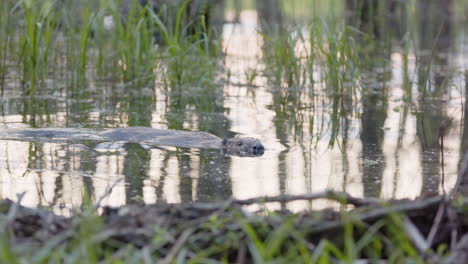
[244, 147]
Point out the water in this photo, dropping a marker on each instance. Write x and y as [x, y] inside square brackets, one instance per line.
[376, 142]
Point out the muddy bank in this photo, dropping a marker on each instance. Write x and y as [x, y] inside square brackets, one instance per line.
[228, 229]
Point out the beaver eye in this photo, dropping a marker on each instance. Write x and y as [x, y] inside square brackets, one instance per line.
[255, 147]
[240, 143]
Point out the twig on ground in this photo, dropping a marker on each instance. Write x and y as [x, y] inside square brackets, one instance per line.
[462, 177]
[435, 225]
[443, 207]
[241, 254]
[177, 246]
[107, 193]
[454, 225]
[460, 254]
[13, 211]
[415, 235]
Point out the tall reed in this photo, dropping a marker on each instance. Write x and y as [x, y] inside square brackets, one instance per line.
[135, 38]
[187, 54]
[5, 35]
[36, 42]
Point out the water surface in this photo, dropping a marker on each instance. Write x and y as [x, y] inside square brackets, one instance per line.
[399, 133]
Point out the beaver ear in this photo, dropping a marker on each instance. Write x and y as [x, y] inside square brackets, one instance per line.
[224, 142]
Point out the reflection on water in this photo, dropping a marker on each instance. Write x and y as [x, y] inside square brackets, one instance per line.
[370, 143]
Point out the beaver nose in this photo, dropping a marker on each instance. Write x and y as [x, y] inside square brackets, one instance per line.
[259, 149]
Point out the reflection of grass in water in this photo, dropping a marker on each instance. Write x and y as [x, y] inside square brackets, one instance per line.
[70, 40]
[329, 51]
[320, 59]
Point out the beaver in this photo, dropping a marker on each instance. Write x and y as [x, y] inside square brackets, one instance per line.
[243, 147]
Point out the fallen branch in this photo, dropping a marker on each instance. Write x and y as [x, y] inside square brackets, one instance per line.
[321, 227]
[341, 197]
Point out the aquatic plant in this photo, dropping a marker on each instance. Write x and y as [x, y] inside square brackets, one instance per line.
[187, 56]
[5, 35]
[36, 41]
[135, 38]
[88, 41]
